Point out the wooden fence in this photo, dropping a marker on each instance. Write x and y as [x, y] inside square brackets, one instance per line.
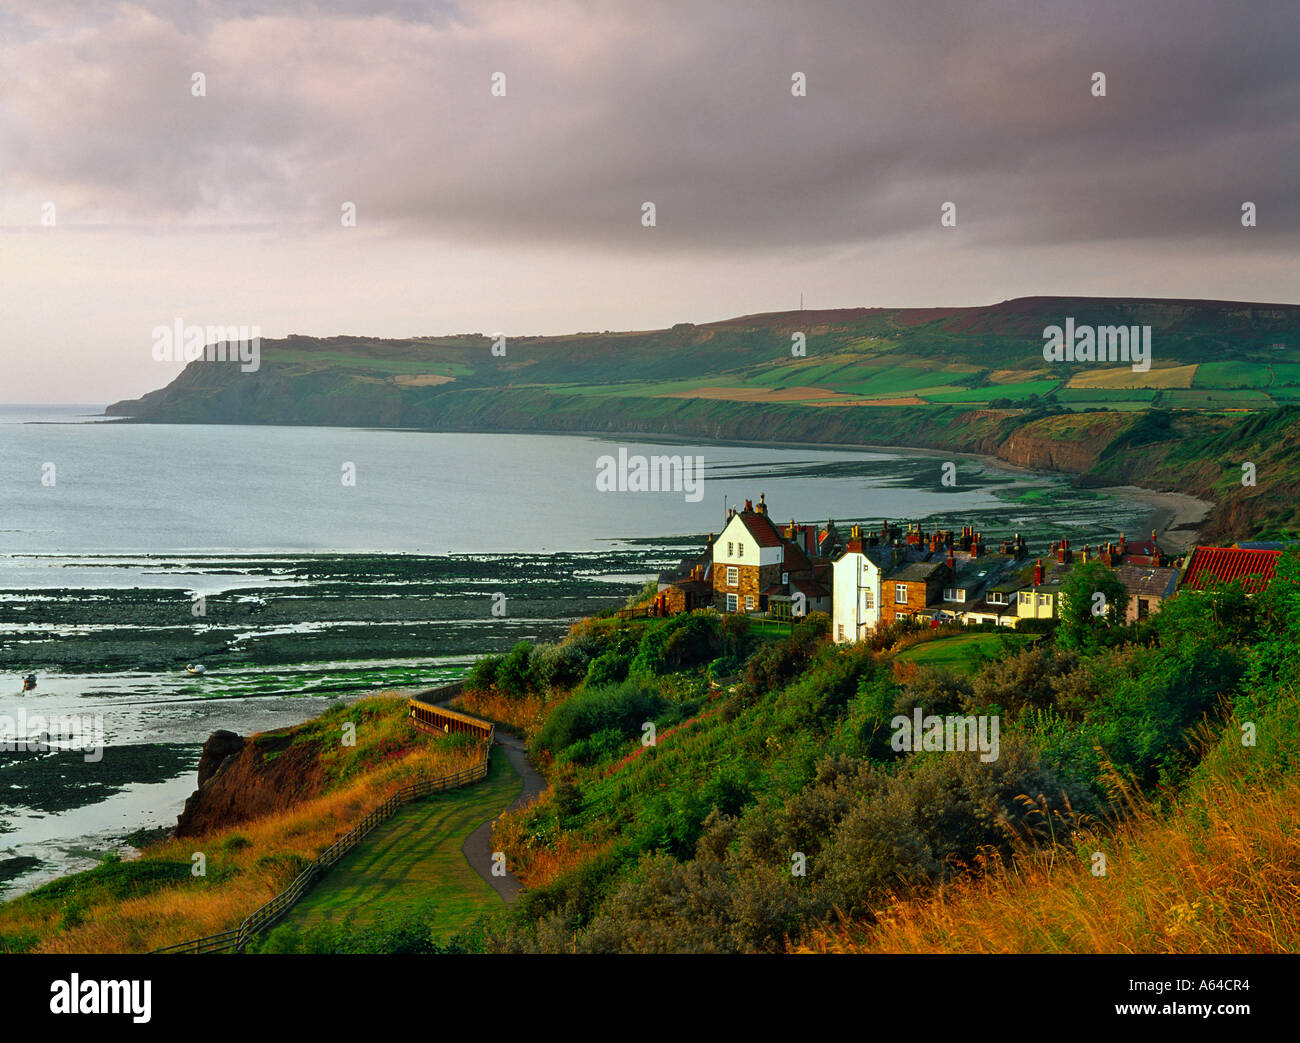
[424, 716]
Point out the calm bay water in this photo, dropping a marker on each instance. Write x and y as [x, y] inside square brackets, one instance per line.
[127, 488]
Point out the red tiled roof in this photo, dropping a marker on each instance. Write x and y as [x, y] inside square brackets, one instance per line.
[761, 529]
[1253, 567]
[795, 559]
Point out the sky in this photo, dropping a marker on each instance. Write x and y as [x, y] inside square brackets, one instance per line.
[130, 197]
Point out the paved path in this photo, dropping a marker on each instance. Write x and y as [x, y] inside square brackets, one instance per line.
[478, 845]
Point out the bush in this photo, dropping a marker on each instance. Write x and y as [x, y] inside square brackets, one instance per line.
[622, 709]
[483, 674]
[607, 669]
[512, 674]
[554, 667]
[685, 641]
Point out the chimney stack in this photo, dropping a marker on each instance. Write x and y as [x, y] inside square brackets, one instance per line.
[1038, 572]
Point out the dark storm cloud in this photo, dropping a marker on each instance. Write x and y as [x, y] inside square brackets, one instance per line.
[686, 105]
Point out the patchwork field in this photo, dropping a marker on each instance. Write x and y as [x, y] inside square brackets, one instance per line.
[1127, 377]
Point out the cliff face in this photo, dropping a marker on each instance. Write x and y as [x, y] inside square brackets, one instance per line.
[241, 780]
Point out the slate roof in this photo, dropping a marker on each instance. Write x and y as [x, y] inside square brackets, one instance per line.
[915, 572]
[1147, 581]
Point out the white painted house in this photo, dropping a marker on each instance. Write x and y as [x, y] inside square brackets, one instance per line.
[855, 601]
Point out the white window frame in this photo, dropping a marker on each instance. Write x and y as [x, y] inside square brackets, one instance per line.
[900, 593]
[733, 602]
[733, 575]
[868, 598]
[740, 550]
[749, 602]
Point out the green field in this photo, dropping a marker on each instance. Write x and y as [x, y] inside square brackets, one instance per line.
[415, 858]
[1250, 375]
[991, 391]
[1192, 398]
[1106, 395]
[960, 653]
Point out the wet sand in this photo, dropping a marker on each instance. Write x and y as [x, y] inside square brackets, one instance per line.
[1175, 517]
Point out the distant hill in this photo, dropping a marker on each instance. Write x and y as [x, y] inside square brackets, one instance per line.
[1221, 374]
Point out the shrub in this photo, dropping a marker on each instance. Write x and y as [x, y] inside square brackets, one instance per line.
[483, 674]
[512, 673]
[555, 667]
[685, 641]
[623, 709]
[607, 669]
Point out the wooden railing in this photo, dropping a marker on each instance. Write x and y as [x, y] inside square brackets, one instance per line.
[430, 718]
[424, 716]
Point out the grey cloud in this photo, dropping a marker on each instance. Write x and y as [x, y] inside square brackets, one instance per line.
[686, 105]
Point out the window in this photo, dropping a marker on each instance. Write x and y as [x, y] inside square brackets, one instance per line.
[900, 593]
[733, 575]
[841, 631]
[954, 594]
[1027, 600]
[868, 598]
[749, 602]
[1045, 600]
[740, 550]
[1144, 608]
[996, 598]
[785, 578]
[732, 603]
[731, 547]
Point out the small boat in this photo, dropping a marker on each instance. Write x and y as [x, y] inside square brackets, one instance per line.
[197, 671]
[29, 682]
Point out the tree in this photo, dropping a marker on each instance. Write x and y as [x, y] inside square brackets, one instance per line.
[1091, 600]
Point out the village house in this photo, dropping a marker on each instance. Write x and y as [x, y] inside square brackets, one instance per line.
[856, 588]
[896, 573]
[755, 566]
[1039, 597]
[910, 589]
[1148, 588]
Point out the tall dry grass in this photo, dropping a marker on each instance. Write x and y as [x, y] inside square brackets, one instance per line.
[524, 715]
[1221, 874]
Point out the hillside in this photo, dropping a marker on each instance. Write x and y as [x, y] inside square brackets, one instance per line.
[775, 811]
[1223, 388]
